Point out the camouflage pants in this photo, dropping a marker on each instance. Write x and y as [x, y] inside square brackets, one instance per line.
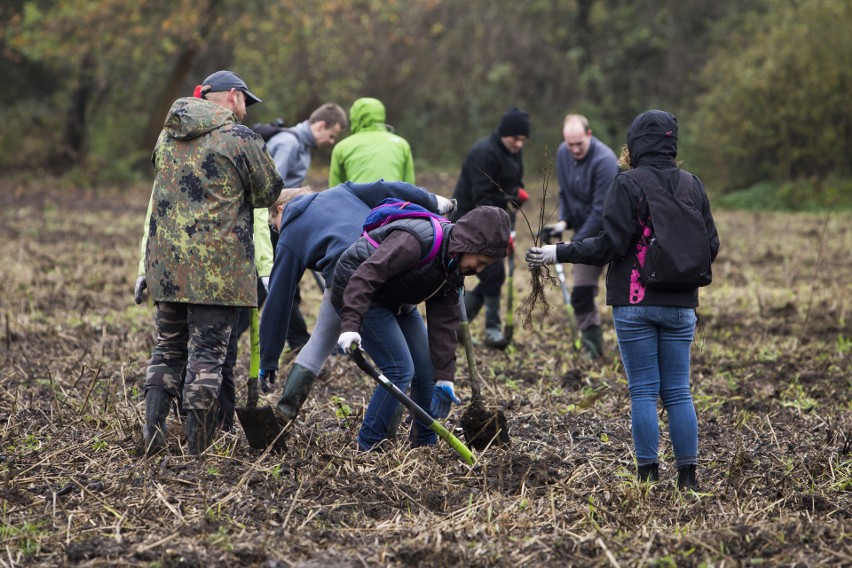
[195, 337]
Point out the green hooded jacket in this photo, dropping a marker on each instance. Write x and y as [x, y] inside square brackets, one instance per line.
[371, 152]
[211, 173]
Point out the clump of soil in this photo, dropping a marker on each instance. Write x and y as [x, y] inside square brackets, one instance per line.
[484, 428]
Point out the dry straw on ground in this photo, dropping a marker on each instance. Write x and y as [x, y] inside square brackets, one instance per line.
[772, 388]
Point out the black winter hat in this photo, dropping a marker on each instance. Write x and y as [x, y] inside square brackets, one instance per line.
[514, 122]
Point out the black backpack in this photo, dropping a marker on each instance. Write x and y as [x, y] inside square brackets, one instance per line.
[269, 129]
[674, 250]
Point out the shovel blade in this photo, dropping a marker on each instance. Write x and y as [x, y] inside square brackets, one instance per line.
[261, 427]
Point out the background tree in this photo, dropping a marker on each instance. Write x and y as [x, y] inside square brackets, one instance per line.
[757, 84]
[776, 105]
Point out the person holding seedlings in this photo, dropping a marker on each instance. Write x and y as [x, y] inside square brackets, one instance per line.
[372, 151]
[379, 281]
[314, 230]
[210, 172]
[585, 168]
[654, 318]
[492, 174]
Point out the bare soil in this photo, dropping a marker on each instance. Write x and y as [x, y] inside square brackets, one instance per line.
[772, 383]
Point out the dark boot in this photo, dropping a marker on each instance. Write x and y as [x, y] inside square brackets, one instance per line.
[592, 342]
[649, 472]
[686, 478]
[299, 383]
[157, 405]
[493, 334]
[200, 429]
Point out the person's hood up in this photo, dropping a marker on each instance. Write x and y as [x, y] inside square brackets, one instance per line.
[190, 118]
[652, 139]
[485, 230]
[367, 114]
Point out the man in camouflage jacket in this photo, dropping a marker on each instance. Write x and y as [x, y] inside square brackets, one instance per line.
[211, 173]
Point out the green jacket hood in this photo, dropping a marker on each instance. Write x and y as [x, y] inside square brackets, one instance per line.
[367, 114]
[190, 118]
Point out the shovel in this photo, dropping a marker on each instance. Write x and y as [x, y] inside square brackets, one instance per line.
[566, 297]
[509, 328]
[481, 427]
[357, 355]
[259, 423]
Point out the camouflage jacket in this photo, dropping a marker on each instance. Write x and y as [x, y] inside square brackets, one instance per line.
[210, 175]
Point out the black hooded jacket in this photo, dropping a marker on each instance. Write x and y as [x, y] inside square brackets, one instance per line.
[652, 143]
[391, 276]
[490, 175]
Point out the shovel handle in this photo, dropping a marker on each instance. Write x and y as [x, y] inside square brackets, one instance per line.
[509, 327]
[357, 355]
[464, 326]
[546, 238]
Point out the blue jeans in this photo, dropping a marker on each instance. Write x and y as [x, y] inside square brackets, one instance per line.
[655, 342]
[399, 346]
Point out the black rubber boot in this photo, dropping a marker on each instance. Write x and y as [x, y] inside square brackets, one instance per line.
[686, 478]
[592, 342]
[494, 337]
[472, 304]
[649, 472]
[157, 405]
[296, 390]
[200, 429]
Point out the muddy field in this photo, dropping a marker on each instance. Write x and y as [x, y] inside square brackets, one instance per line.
[771, 381]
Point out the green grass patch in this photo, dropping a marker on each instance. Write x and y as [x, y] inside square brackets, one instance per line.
[830, 195]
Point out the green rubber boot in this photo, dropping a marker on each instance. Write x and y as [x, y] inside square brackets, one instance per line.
[296, 390]
[494, 337]
[592, 342]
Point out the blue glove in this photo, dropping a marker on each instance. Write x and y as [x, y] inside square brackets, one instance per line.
[442, 396]
[266, 376]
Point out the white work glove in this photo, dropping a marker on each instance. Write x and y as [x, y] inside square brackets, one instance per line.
[540, 256]
[265, 281]
[347, 339]
[557, 227]
[446, 207]
[139, 288]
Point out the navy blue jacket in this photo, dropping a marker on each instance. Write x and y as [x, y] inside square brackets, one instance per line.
[315, 230]
[583, 185]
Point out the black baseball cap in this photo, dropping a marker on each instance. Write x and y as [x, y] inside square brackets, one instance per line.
[225, 81]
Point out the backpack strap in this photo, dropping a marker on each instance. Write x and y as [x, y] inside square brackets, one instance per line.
[437, 241]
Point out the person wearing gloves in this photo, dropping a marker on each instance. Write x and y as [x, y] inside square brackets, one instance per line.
[313, 231]
[210, 171]
[492, 174]
[377, 285]
[654, 327]
[585, 168]
[263, 265]
[372, 151]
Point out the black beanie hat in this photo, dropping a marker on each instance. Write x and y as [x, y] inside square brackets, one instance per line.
[514, 122]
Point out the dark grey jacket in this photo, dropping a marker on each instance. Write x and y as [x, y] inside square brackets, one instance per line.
[583, 185]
